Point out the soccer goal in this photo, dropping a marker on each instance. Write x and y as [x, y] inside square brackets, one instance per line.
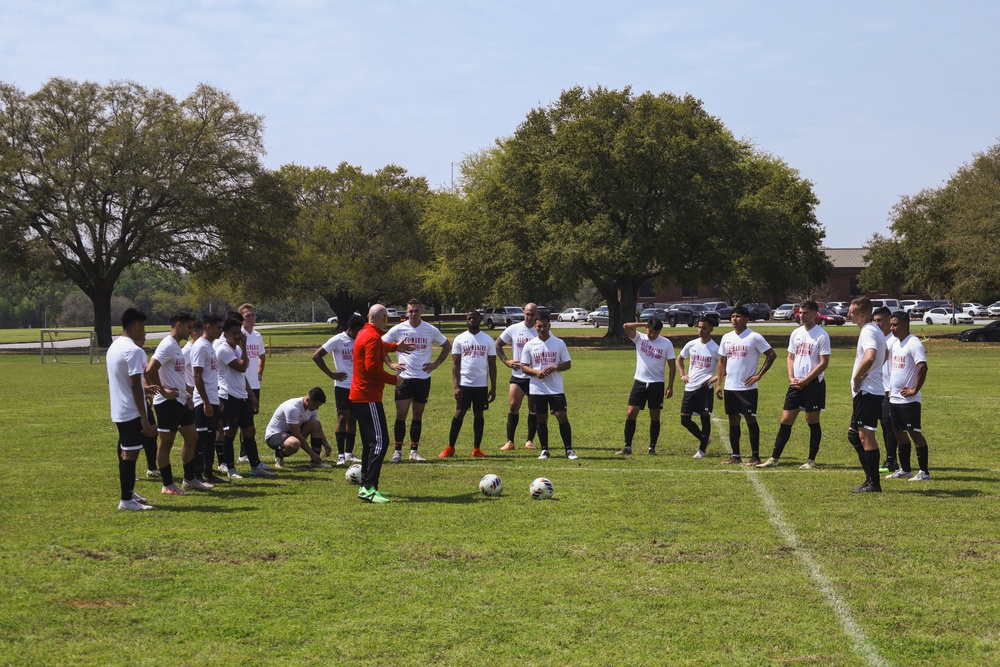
[68, 342]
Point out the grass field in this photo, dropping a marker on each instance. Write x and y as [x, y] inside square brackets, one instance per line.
[645, 561]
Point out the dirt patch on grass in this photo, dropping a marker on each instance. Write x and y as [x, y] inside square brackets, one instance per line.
[241, 559]
[427, 553]
[979, 555]
[90, 604]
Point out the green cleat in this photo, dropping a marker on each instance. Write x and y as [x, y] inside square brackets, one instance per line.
[365, 494]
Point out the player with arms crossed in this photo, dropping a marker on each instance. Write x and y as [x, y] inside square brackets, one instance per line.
[473, 361]
[867, 390]
[517, 335]
[909, 371]
[653, 354]
[544, 359]
[240, 403]
[341, 348]
[807, 360]
[292, 422]
[703, 355]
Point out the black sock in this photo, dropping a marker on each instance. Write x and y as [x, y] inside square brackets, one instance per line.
[478, 426]
[567, 434]
[349, 442]
[416, 426]
[341, 438]
[207, 452]
[706, 427]
[855, 439]
[189, 470]
[149, 448]
[532, 426]
[754, 430]
[316, 444]
[456, 427]
[689, 424]
[734, 439]
[815, 435]
[871, 467]
[629, 432]
[922, 458]
[126, 477]
[654, 432]
[512, 419]
[399, 432]
[220, 450]
[543, 435]
[784, 433]
[167, 475]
[227, 449]
[904, 455]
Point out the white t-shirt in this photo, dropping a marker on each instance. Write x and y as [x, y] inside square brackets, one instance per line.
[702, 360]
[124, 359]
[904, 356]
[423, 338]
[808, 346]
[890, 339]
[651, 357]
[870, 338]
[475, 350]
[203, 357]
[742, 353]
[188, 371]
[539, 354]
[255, 350]
[341, 348]
[517, 335]
[231, 381]
[292, 411]
[171, 358]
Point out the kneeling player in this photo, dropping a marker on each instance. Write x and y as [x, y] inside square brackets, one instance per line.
[294, 421]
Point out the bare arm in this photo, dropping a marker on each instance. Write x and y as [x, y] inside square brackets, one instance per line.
[672, 366]
[721, 375]
[199, 384]
[445, 351]
[321, 363]
[921, 377]
[491, 363]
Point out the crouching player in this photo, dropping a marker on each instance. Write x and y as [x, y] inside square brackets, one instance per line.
[292, 422]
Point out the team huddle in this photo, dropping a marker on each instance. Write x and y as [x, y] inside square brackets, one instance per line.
[209, 392]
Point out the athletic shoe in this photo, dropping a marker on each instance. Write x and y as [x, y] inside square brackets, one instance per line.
[133, 505]
[154, 474]
[365, 494]
[529, 445]
[571, 455]
[313, 464]
[808, 465]
[340, 459]
[899, 474]
[624, 451]
[196, 485]
[397, 456]
[699, 454]
[889, 465]
[279, 461]
[479, 454]
[732, 460]
[349, 458]
[378, 498]
[921, 476]
[507, 446]
[139, 499]
[223, 468]
[243, 459]
[447, 452]
[379, 492]
[261, 471]
[234, 474]
[652, 450]
[209, 478]
[264, 466]
[544, 454]
[867, 487]
[769, 463]
[172, 490]
[415, 456]
[753, 462]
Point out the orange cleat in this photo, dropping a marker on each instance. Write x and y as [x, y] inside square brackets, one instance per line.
[448, 452]
[478, 454]
[508, 446]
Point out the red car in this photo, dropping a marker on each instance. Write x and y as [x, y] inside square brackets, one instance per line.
[826, 316]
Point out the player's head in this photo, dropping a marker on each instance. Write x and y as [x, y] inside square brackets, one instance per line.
[543, 323]
[807, 312]
[654, 326]
[180, 325]
[231, 331]
[881, 317]
[739, 318]
[249, 314]
[134, 325]
[378, 316]
[860, 311]
[473, 319]
[355, 324]
[899, 324]
[235, 315]
[705, 326]
[414, 311]
[530, 314]
[197, 329]
[213, 325]
[315, 398]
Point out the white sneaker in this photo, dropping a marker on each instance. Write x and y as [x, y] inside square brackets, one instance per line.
[279, 462]
[223, 468]
[349, 458]
[571, 455]
[154, 474]
[260, 471]
[699, 454]
[898, 474]
[139, 499]
[341, 459]
[196, 485]
[921, 476]
[397, 456]
[771, 462]
[808, 465]
[243, 459]
[544, 454]
[234, 474]
[414, 456]
[133, 505]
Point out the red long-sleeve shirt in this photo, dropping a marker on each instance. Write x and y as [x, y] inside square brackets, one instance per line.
[370, 376]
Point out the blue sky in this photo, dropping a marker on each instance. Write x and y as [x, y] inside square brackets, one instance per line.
[868, 100]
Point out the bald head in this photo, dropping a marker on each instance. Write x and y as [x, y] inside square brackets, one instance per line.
[378, 315]
[530, 314]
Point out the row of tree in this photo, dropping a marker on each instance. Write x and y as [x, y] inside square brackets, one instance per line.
[602, 186]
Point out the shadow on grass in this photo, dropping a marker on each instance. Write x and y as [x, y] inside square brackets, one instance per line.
[213, 509]
[462, 498]
[946, 493]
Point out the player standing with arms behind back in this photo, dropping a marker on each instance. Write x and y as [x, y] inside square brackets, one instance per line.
[909, 371]
[544, 359]
[518, 334]
[703, 355]
[867, 391]
[473, 362]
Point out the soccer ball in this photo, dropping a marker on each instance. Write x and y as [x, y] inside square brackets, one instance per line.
[491, 485]
[541, 489]
[353, 474]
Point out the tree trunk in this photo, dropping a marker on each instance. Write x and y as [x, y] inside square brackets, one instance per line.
[102, 316]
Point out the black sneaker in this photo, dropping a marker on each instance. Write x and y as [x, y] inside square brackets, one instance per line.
[652, 450]
[867, 487]
[625, 451]
[890, 465]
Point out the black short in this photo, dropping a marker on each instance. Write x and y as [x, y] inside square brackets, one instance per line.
[418, 389]
[238, 413]
[886, 417]
[553, 402]
[342, 398]
[130, 437]
[906, 417]
[172, 415]
[203, 423]
[866, 411]
[276, 440]
[811, 398]
[524, 384]
[256, 393]
[698, 401]
[647, 392]
[477, 398]
[741, 402]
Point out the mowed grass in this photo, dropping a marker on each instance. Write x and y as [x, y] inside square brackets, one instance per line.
[640, 561]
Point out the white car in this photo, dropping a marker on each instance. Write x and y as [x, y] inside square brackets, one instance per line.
[572, 315]
[995, 309]
[783, 312]
[975, 309]
[947, 316]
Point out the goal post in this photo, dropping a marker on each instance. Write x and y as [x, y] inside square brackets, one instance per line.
[68, 341]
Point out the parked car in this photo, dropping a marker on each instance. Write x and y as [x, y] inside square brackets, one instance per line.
[783, 312]
[502, 316]
[991, 332]
[906, 305]
[392, 313]
[724, 310]
[572, 315]
[648, 313]
[599, 317]
[826, 316]
[759, 311]
[975, 309]
[689, 314]
[947, 316]
[917, 312]
[994, 309]
[891, 304]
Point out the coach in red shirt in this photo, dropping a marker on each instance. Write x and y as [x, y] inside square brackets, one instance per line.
[367, 384]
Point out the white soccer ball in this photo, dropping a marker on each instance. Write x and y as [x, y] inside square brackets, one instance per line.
[491, 485]
[541, 489]
[353, 474]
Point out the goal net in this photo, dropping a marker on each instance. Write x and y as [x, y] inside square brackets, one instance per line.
[62, 344]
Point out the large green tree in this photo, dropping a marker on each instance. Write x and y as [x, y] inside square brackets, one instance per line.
[96, 178]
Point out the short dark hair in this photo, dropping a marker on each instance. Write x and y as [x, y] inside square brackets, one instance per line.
[230, 323]
[356, 322]
[883, 311]
[900, 315]
[741, 310]
[545, 315]
[132, 315]
[809, 305]
[317, 394]
[654, 323]
[197, 325]
[233, 315]
[211, 318]
[415, 302]
[181, 316]
[710, 320]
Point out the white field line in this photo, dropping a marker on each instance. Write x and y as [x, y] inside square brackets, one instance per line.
[862, 645]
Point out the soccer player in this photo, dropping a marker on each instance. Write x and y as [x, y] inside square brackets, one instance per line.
[207, 406]
[256, 356]
[126, 363]
[739, 353]
[867, 391]
[239, 401]
[292, 422]
[882, 318]
[807, 360]
[173, 407]
[197, 329]
[909, 371]
[543, 360]
[367, 384]
[414, 369]
[653, 354]
[473, 361]
[341, 348]
[517, 335]
[703, 355]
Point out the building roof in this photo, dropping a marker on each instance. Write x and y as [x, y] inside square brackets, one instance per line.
[847, 258]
